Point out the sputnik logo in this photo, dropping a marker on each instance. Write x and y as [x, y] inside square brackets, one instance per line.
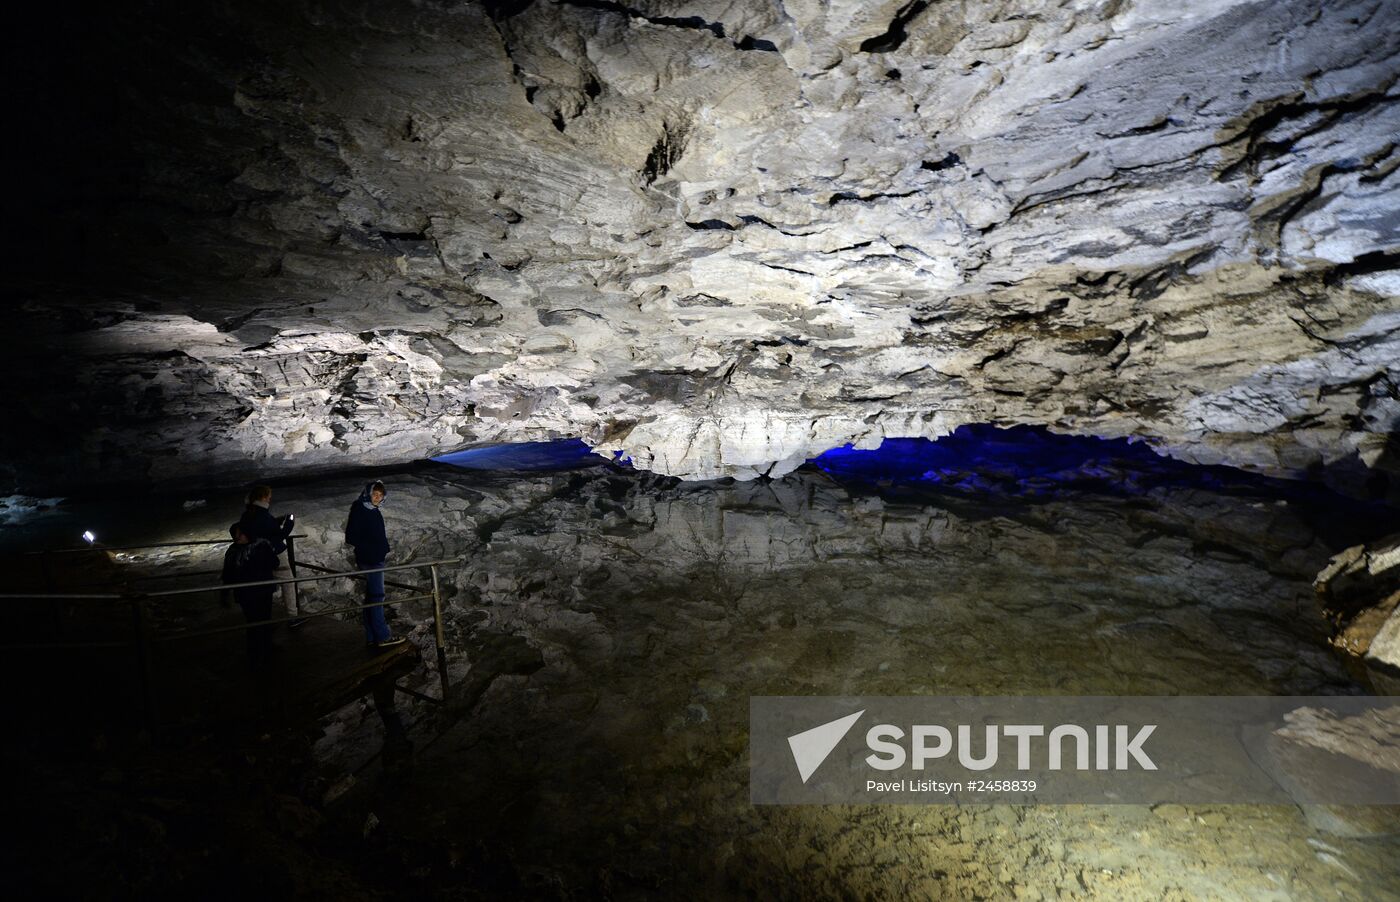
[811, 747]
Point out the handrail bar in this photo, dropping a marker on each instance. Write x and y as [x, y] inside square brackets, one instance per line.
[167, 593]
[82, 596]
[224, 541]
[176, 636]
[38, 646]
[388, 582]
[183, 574]
[299, 579]
[237, 627]
[144, 636]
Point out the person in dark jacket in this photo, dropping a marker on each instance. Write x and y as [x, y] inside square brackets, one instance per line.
[364, 531]
[259, 523]
[252, 560]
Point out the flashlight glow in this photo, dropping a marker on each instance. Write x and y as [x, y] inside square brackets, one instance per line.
[89, 537]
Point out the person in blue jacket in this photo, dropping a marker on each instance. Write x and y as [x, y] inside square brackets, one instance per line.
[364, 531]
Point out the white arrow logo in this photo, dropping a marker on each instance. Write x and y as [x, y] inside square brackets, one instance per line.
[810, 748]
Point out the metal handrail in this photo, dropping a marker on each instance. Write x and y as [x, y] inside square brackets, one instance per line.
[388, 582]
[225, 541]
[85, 596]
[46, 646]
[168, 593]
[145, 637]
[184, 575]
[302, 579]
[213, 631]
[149, 577]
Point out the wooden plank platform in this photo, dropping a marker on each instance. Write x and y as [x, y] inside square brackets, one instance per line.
[195, 681]
[313, 670]
[206, 681]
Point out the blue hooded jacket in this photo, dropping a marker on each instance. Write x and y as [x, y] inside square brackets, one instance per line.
[365, 530]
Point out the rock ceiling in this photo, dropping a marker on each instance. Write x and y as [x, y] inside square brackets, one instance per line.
[719, 237]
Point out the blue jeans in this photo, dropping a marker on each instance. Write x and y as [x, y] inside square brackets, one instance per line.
[376, 629]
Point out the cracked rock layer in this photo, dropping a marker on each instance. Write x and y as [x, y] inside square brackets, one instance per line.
[717, 237]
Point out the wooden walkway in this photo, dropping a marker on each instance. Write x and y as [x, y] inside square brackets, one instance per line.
[314, 670]
[81, 667]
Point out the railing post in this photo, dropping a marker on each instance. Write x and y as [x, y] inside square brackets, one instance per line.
[438, 632]
[47, 565]
[292, 566]
[141, 621]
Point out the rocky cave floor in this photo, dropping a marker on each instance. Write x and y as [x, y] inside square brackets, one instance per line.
[655, 608]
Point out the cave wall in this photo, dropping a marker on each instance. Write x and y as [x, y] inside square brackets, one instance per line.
[717, 237]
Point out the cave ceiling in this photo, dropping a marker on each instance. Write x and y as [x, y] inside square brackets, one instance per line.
[715, 237]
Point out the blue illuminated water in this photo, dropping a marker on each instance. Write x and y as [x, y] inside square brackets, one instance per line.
[1023, 460]
[565, 454]
[1027, 463]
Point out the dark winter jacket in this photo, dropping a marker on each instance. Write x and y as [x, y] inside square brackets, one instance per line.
[365, 531]
[259, 523]
[250, 563]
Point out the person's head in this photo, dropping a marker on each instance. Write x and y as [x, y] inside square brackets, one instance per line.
[260, 494]
[238, 535]
[376, 493]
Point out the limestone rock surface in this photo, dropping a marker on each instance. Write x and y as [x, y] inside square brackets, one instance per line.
[1360, 594]
[658, 608]
[717, 238]
[1360, 750]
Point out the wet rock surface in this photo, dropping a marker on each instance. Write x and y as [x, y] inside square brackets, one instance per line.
[1318, 741]
[614, 761]
[719, 238]
[1360, 589]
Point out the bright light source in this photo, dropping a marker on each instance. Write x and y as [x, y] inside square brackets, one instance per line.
[89, 537]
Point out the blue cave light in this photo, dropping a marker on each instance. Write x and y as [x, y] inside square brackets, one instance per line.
[976, 454]
[565, 454]
[982, 464]
[1027, 461]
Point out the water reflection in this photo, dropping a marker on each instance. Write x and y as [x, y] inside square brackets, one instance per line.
[659, 609]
